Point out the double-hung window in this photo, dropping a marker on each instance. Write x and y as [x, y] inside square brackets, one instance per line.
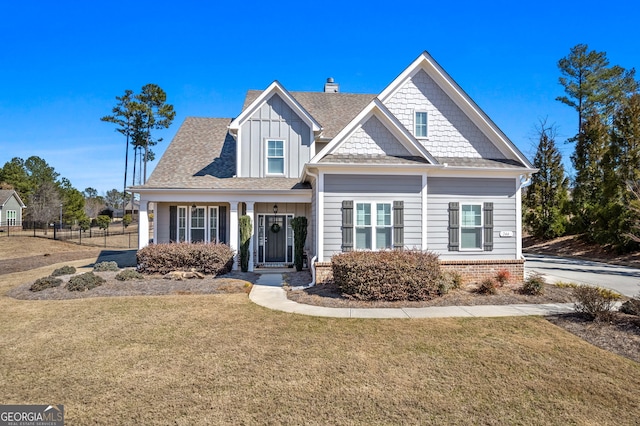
[471, 227]
[275, 157]
[213, 224]
[420, 121]
[197, 224]
[373, 226]
[11, 217]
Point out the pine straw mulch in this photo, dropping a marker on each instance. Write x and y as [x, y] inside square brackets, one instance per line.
[151, 285]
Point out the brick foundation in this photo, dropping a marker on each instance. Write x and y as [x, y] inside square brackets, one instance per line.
[472, 271]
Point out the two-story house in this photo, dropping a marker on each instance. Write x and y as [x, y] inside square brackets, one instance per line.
[417, 166]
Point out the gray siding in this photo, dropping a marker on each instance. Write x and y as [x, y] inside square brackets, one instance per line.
[274, 120]
[11, 204]
[501, 192]
[370, 188]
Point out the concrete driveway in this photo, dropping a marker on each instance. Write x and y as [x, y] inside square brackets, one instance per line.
[622, 279]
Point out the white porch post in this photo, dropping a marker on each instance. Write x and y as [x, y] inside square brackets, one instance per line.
[233, 231]
[253, 227]
[143, 224]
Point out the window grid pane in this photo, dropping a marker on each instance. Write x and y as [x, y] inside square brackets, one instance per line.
[421, 124]
[363, 214]
[383, 214]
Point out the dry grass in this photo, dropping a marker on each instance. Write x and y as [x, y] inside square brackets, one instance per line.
[25, 247]
[218, 359]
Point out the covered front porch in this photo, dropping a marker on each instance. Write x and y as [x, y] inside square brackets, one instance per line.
[210, 218]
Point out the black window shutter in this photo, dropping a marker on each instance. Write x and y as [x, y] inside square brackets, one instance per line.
[222, 224]
[173, 224]
[398, 225]
[454, 227]
[347, 225]
[488, 226]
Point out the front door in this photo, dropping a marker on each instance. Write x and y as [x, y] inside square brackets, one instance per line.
[276, 241]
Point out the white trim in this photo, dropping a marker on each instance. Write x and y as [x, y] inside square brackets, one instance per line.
[373, 205]
[7, 218]
[143, 224]
[320, 217]
[481, 227]
[233, 231]
[252, 240]
[274, 88]
[265, 149]
[415, 123]
[287, 221]
[424, 194]
[518, 218]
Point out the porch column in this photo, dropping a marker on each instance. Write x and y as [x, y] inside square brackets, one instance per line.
[143, 224]
[253, 227]
[233, 231]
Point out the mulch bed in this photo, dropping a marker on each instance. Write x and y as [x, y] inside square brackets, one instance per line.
[329, 295]
[621, 335]
[152, 285]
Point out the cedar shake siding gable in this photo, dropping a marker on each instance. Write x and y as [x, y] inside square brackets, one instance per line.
[450, 131]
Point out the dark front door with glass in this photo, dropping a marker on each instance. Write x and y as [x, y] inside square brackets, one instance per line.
[276, 241]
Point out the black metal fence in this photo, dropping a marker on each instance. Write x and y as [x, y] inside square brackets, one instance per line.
[114, 236]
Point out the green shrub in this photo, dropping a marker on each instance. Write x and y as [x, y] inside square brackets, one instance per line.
[246, 229]
[595, 302]
[631, 306]
[488, 286]
[387, 275]
[65, 270]
[84, 282]
[533, 285]
[106, 267]
[45, 282]
[129, 274]
[127, 219]
[299, 225]
[449, 280]
[103, 221]
[206, 258]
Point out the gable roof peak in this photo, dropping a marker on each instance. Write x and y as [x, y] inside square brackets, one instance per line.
[274, 88]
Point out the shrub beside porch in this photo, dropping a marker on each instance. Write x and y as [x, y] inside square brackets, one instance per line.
[471, 270]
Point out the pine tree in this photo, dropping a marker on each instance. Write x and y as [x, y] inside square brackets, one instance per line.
[588, 187]
[546, 198]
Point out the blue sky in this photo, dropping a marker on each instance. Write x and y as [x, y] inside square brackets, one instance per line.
[63, 63]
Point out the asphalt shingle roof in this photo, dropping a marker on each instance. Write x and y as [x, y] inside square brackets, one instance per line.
[202, 156]
[332, 110]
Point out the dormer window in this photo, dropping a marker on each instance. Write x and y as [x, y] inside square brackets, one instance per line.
[275, 157]
[420, 124]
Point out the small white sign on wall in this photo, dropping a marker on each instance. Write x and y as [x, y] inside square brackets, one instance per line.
[506, 234]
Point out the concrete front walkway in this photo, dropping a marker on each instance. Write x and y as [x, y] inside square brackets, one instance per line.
[268, 292]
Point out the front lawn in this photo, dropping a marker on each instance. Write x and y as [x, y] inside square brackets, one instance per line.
[219, 359]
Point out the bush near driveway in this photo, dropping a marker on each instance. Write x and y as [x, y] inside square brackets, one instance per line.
[597, 302]
[387, 275]
[45, 282]
[84, 282]
[206, 258]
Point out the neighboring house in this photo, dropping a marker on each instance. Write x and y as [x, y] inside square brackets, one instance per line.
[417, 166]
[10, 209]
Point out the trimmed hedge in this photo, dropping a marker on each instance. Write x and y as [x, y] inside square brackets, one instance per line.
[387, 275]
[206, 258]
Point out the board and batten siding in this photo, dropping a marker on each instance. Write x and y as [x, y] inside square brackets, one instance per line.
[11, 204]
[371, 188]
[274, 120]
[501, 192]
